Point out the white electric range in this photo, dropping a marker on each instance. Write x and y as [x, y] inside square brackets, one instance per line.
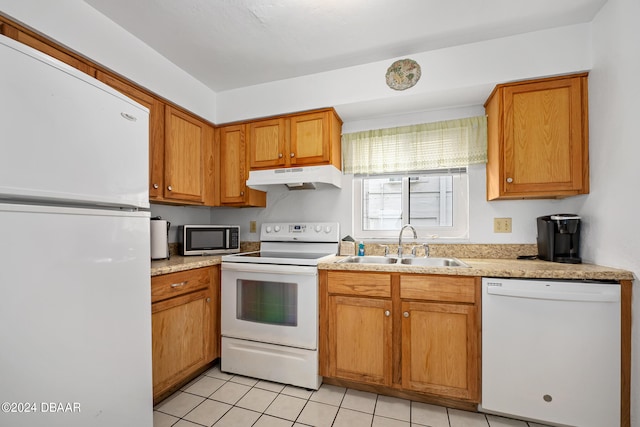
[269, 316]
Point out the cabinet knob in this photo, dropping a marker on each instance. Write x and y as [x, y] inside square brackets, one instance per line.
[208, 299]
[170, 188]
[280, 155]
[242, 193]
[509, 180]
[387, 313]
[292, 155]
[405, 314]
[155, 186]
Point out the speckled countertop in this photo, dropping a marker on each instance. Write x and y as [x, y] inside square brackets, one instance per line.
[494, 268]
[180, 263]
[484, 260]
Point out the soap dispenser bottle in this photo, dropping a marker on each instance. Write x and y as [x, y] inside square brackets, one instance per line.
[361, 249]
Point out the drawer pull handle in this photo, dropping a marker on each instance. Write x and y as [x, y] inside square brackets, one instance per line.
[177, 285]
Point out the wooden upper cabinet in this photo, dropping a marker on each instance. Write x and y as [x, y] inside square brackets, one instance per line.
[268, 143]
[538, 139]
[43, 45]
[185, 156]
[310, 138]
[234, 170]
[156, 129]
[309, 142]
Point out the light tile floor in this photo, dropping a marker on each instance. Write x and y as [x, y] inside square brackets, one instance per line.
[219, 399]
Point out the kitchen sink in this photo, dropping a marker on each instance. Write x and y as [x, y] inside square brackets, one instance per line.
[424, 262]
[434, 262]
[370, 259]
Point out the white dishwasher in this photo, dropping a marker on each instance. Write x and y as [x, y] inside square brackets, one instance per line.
[551, 351]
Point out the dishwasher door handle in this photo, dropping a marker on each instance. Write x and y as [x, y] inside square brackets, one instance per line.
[554, 295]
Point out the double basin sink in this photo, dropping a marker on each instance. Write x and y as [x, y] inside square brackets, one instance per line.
[423, 262]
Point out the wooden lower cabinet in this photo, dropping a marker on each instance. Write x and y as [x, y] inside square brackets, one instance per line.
[404, 333]
[439, 349]
[185, 326]
[361, 336]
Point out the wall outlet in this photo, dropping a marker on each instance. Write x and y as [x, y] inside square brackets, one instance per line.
[252, 226]
[502, 225]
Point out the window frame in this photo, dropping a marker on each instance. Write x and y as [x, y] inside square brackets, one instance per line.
[460, 194]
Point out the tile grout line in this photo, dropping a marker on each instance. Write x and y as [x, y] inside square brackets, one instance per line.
[281, 393]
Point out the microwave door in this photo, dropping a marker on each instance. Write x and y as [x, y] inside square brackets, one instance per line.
[209, 240]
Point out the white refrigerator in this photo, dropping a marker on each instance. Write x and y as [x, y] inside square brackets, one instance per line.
[75, 305]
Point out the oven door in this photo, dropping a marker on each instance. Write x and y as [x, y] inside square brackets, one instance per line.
[270, 303]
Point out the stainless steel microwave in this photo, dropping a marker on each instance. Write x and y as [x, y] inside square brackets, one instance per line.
[208, 239]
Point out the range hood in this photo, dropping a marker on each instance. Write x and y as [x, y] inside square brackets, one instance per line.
[298, 178]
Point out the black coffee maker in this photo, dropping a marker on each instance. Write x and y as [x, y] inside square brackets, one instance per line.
[559, 238]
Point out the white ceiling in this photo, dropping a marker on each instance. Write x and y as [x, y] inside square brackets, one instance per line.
[228, 44]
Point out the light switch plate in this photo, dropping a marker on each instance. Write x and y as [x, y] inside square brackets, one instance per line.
[502, 225]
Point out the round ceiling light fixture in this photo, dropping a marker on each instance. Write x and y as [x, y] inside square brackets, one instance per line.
[403, 74]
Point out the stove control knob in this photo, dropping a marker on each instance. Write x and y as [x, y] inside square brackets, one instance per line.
[318, 228]
[277, 228]
[327, 229]
[268, 229]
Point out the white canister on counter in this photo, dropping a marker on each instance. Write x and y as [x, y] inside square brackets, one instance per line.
[159, 238]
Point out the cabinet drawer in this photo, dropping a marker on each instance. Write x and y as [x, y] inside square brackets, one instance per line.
[359, 283]
[438, 288]
[182, 282]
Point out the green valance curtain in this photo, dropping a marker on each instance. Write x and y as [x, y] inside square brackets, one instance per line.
[439, 145]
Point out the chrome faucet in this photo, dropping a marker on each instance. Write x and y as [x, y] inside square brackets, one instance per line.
[415, 236]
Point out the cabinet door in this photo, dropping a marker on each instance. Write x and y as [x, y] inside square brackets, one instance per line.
[267, 143]
[440, 349]
[156, 129]
[360, 334]
[184, 156]
[181, 338]
[233, 164]
[309, 139]
[538, 139]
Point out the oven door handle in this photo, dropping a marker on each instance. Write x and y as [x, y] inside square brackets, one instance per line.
[270, 268]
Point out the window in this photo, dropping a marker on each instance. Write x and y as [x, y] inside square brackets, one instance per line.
[414, 175]
[435, 203]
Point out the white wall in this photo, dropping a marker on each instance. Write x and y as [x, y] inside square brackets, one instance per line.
[455, 76]
[447, 89]
[612, 234]
[76, 25]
